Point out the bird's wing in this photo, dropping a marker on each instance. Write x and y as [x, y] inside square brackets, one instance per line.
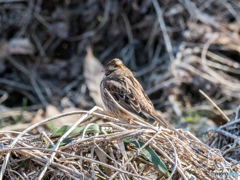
[124, 96]
[147, 98]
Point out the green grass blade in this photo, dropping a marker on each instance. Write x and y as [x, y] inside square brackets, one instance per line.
[95, 128]
[150, 154]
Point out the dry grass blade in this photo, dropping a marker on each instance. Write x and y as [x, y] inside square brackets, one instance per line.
[164, 29]
[214, 104]
[176, 158]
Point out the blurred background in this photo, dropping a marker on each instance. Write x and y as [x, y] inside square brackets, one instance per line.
[52, 53]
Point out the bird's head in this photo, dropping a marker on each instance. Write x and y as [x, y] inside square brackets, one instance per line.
[112, 66]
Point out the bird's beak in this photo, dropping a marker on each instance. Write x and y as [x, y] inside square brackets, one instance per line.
[103, 71]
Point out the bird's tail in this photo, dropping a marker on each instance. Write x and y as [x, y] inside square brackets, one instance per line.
[162, 121]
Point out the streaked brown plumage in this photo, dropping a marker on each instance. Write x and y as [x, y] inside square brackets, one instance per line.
[128, 92]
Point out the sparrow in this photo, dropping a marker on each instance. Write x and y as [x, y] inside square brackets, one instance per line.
[119, 81]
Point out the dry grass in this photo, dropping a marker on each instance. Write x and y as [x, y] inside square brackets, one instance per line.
[226, 139]
[206, 59]
[105, 156]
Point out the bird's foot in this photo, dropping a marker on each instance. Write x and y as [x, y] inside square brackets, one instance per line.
[130, 121]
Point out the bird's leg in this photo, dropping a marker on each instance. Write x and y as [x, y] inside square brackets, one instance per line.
[130, 121]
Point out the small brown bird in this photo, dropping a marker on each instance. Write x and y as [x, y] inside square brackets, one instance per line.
[128, 93]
